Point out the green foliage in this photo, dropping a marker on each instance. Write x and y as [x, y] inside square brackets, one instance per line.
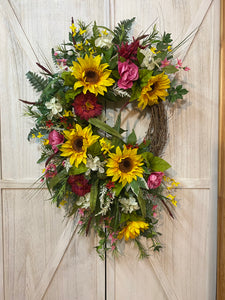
[121, 31]
[93, 195]
[132, 138]
[76, 171]
[103, 126]
[38, 82]
[176, 93]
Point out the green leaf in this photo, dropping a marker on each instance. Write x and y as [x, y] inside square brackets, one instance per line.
[68, 78]
[140, 56]
[142, 203]
[159, 165]
[144, 75]
[76, 171]
[118, 188]
[95, 149]
[170, 69]
[93, 195]
[136, 92]
[132, 139]
[37, 82]
[121, 31]
[148, 156]
[103, 126]
[118, 123]
[108, 54]
[56, 179]
[124, 218]
[71, 94]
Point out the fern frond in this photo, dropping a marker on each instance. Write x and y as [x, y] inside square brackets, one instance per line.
[37, 82]
[122, 30]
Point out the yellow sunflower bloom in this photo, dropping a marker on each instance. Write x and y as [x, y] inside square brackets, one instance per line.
[124, 166]
[132, 230]
[78, 140]
[91, 74]
[156, 88]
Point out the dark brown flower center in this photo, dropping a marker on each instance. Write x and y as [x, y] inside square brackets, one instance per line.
[92, 76]
[126, 165]
[78, 144]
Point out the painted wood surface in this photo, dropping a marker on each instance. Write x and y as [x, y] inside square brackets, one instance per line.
[41, 256]
[186, 268]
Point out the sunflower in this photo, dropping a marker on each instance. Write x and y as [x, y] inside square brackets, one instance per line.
[78, 140]
[155, 89]
[124, 166]
[91, 74]
[132, 230]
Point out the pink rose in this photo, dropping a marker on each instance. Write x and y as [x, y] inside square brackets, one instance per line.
[128, 72]
[155, 179]
[55, 138]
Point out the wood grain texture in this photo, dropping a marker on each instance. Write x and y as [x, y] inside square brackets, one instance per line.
[189, 241]
[221, 198]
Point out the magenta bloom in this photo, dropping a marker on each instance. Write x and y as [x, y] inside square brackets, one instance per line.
[55, 138]
[128, 73]
[155, 179]
[79, 184]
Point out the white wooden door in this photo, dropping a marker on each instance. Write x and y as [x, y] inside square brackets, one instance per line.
[41, 257]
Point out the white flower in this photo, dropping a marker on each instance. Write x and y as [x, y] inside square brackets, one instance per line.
[104, 41]
[105, 200]
[54, 106]
[67, 165]
[94, 164]
[129, 204]
[149, 62]
[84, 201]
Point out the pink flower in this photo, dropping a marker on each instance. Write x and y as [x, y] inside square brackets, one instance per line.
[187, 69]
[50, 171]
[165, 63]
[155, 179]
[179, 63]
[128, 72]
[55, 138]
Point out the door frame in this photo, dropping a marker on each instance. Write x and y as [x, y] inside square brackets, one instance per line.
[221, 166]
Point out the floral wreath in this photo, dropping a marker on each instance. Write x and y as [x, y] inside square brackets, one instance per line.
[114, 183]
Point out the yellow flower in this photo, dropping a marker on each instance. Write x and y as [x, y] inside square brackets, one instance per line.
[33, 136]
[79, 46]
[68, 113]
[124, 166]
[132, 230]
[172, 199]
[105, 32]
[153, 49]
[169, 48]
[73, 28]
[156, 88]
[92, 75]
[39, 135]
[62, 203]
[82, 31]
[105, 145]
[78, 140]
[45, 142]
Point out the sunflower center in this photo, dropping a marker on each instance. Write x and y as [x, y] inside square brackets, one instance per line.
[92, 76]
[153, 86]
[126, 165]
[78, 144]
